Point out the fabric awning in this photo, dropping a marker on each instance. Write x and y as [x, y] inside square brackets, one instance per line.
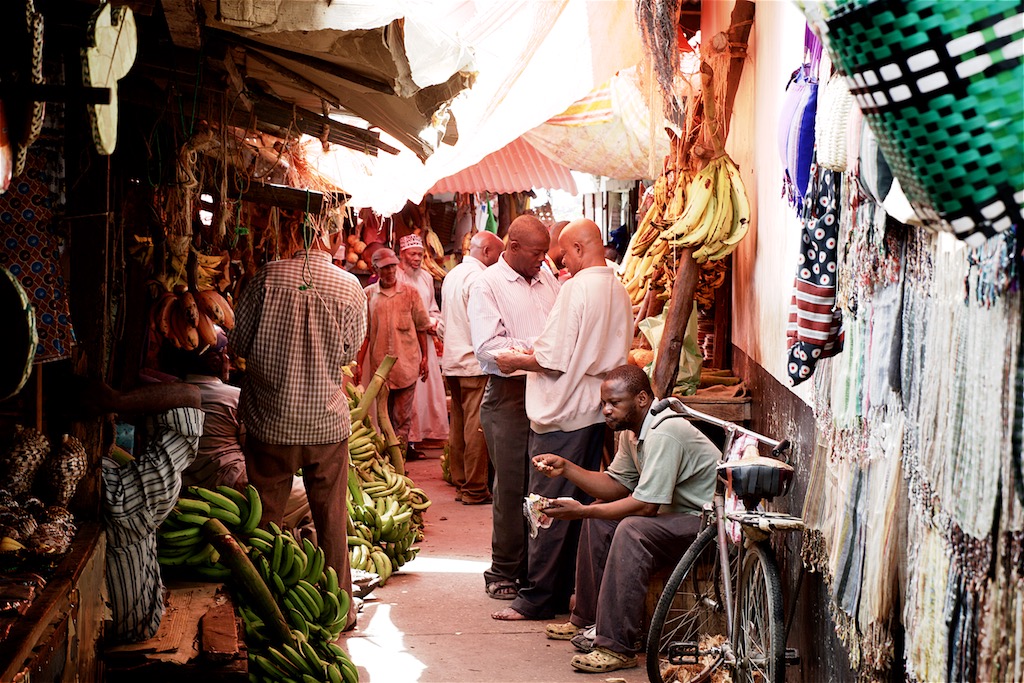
[516, 167]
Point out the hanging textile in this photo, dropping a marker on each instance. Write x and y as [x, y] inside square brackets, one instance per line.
[815, 325]
[30, 249]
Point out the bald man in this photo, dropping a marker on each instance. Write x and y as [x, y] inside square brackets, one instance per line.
[508, 307]
[586, 335]
[467, 458]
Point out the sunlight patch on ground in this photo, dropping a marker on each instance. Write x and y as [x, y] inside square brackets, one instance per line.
[381, 652]
[444, 565]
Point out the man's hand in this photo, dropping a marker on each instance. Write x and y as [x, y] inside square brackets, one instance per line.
[423, 369]
[565, 509]
[512, 360]
[549, 464]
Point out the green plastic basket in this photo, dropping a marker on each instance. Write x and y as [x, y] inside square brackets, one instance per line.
[941, 83]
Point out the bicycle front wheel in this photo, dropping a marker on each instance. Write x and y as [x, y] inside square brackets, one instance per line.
[689, 626]
[760, 633]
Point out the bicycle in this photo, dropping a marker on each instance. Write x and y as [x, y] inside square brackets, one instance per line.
[722, 604]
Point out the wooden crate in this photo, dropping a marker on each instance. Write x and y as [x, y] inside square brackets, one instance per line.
[198, 640]
[55, 640]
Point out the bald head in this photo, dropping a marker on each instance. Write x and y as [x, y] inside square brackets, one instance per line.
[555, 251]
[528, 242]
[582, 246]
[486, 247]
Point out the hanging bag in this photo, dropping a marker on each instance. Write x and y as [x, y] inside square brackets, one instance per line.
[796, 122]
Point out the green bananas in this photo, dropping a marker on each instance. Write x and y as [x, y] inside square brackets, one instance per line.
[385, 508]
[180, 541]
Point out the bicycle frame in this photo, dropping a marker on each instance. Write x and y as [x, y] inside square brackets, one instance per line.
[731, 430]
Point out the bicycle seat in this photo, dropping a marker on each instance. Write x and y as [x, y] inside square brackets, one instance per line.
[754, 477]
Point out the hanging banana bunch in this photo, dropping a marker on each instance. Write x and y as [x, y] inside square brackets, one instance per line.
[709, 213]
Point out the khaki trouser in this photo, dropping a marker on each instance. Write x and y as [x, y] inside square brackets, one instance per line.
[467, 459]
[325, 472]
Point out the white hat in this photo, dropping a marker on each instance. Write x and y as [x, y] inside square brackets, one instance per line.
[410, 242]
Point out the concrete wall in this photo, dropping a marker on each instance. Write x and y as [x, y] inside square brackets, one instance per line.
[763, 268]
[765, 262]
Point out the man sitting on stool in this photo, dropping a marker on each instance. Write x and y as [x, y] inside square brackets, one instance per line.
[648, 511]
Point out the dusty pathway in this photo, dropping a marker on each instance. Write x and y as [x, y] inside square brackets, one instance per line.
[432, 624]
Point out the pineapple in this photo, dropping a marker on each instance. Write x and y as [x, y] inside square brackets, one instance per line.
[65, 469]
[26, 455]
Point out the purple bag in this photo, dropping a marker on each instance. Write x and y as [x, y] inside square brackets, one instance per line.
[796, 122]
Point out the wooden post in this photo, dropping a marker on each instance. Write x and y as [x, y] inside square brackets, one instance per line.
[680, 306]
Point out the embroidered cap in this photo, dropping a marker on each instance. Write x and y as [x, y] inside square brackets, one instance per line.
[410, 242]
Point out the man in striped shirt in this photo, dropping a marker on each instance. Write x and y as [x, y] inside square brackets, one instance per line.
[508, 305]
[299, 320]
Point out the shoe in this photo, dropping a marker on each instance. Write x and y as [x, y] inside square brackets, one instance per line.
[363, 582]
[561, 631]
[584, 640]
[602, 661]
[458, 497]
[502, 590]
[412, 454]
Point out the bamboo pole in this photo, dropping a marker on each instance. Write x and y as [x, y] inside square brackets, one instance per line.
[248, 580]
[380, 375]
[392, 446]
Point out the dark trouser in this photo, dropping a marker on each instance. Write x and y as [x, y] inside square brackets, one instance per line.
[507, 430]
[615, 563]
[552, 555]
[468, 456]
[400, 403]
[325, 473]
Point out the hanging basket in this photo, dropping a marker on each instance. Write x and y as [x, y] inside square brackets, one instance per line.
[939, 82]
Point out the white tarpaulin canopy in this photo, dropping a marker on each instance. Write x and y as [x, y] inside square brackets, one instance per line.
[608, 133]
[533, 60]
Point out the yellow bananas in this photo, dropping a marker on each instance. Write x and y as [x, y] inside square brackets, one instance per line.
[709, 213]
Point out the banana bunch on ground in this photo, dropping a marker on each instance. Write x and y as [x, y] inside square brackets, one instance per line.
[708, 212]
[385, 514]
[186, 319]
[180, 539]
[306, 590]
[313, 603]
[311, 661]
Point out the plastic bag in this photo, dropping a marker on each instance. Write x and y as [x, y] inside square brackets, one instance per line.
[690, 358]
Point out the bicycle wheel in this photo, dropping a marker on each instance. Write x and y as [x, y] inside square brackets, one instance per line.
[689, 624]
[760, 637]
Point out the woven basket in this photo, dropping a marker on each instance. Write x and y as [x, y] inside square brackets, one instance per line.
[835, 103]
[940, 84]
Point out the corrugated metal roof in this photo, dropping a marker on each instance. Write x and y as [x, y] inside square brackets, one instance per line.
[516, 167]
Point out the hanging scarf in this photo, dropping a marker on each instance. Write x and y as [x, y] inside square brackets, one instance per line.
[815, 325]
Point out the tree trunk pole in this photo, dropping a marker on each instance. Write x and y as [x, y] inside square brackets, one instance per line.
[666, 366]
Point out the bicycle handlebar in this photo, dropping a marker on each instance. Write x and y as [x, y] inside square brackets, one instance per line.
[674, 404]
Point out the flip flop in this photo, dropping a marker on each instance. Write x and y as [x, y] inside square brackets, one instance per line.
[502, 590]
[509, 614]
[602, 661]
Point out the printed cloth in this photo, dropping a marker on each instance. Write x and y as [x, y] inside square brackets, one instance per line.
[30, 251]
[815, 328]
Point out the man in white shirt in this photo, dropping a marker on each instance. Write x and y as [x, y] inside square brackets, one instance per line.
[508, 305]
[587, 334]
[467, 459]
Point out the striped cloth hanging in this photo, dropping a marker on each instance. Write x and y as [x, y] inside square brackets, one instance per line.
[815, 327]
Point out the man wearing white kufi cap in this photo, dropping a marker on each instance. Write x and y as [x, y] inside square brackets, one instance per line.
[430, 412]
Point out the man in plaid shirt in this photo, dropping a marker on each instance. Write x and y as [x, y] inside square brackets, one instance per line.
[298, 321]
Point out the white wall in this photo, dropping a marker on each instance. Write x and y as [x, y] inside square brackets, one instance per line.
[765, 262]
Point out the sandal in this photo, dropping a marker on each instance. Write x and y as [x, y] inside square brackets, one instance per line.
[584, 640]
[602, 661]
[502, 590]
[561, 631]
